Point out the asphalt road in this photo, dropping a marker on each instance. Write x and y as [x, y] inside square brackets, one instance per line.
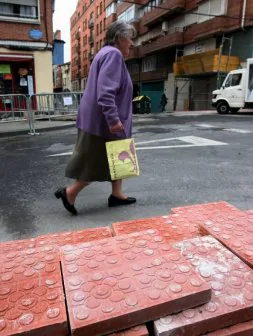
[189, 160]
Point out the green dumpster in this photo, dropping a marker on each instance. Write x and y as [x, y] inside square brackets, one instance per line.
[141, 105]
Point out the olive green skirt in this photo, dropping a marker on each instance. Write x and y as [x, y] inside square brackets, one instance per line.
[89, 159]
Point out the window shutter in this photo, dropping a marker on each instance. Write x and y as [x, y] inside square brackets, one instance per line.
[20, 2]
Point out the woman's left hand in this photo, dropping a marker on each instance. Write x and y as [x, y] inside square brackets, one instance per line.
[117, 128]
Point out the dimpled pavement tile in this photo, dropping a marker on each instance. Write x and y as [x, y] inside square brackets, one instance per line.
[240, 329]
[170, 227]
[17, 245]
[235, 232]
[33, 307]
[29, 264]
[74, 237]
[136, 331]
[203, 212]
[57, 239]
[232, 290]
[119, 282]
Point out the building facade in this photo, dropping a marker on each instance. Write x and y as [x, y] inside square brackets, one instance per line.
[26, 42]
[184, 47]
[87, 35]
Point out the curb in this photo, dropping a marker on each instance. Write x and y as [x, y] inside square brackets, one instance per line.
[39, 130]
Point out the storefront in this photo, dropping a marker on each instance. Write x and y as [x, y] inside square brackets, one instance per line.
[17, 74]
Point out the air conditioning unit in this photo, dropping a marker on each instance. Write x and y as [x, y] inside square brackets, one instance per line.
[165, 26]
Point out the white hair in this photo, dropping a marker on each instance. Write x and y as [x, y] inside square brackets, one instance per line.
[119, 29]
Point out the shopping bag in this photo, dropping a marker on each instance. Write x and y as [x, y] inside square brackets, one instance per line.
[122, 159]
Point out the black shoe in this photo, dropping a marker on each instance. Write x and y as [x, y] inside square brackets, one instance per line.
[61, 193]
[114, 201]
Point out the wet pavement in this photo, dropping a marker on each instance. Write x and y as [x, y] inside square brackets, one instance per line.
[180, 166]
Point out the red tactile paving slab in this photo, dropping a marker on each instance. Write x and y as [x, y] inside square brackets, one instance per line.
[170, 227]
[234, 231]
[58, 239]
[29, 264]
[17, 245]
[34, 307]
[232, 290]
[201, 212]
[74, 237]
[240, 329]
[119, 282]
[136, 331]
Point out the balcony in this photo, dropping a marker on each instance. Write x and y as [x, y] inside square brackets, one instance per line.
[134, 53]
[209, 28]
[190, 33]
[108, 3]
[215, 26]
[91, 39]
[158, 74]
[170, 40]
[91, 23]
[191, 4]
[110, 19]
[91, 56]
[156, 14]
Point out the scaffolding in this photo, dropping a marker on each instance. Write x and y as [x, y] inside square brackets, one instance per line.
[222, 74]
[182, 82]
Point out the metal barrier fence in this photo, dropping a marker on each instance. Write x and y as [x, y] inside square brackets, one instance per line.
[54, 105]
[22, 112]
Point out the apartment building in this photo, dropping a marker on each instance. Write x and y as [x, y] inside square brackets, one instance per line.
[185, 47]
[87, 35]
[26, 43]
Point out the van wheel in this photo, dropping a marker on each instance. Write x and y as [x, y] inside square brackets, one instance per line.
[234, 110]
[223, 108]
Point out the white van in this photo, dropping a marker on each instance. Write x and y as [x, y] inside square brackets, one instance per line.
[236, 91]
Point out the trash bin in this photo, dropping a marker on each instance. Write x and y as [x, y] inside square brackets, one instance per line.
[141, 105]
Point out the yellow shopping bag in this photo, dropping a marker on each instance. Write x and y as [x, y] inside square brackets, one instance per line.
[122, 158]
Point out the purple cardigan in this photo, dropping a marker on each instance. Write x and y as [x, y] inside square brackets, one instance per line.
[107, 98]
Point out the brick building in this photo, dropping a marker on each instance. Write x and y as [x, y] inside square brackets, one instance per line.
[87, 35]
[184, 46]
[26, 42]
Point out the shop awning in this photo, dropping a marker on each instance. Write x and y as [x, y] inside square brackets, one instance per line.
[15, 58]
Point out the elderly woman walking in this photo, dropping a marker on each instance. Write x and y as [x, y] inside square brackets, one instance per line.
[105, 114]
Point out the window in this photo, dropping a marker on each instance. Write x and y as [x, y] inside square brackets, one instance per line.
[23, 9]
[101, 42]
[149, 63]
[101, 8]
[104, 24]
[97, 46]
[85, 24]
[110, 9]
[211, 7]
[85, 40]
[97, 11]
[101, 26]
[233, 80]
[129, 15]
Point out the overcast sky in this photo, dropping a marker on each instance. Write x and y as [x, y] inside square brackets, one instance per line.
[63, 12]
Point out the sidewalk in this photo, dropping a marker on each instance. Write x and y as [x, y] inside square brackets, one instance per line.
[22, 127]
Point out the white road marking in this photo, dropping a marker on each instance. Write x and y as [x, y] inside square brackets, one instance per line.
[205, 125]
[237, 130]
[191, 141]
